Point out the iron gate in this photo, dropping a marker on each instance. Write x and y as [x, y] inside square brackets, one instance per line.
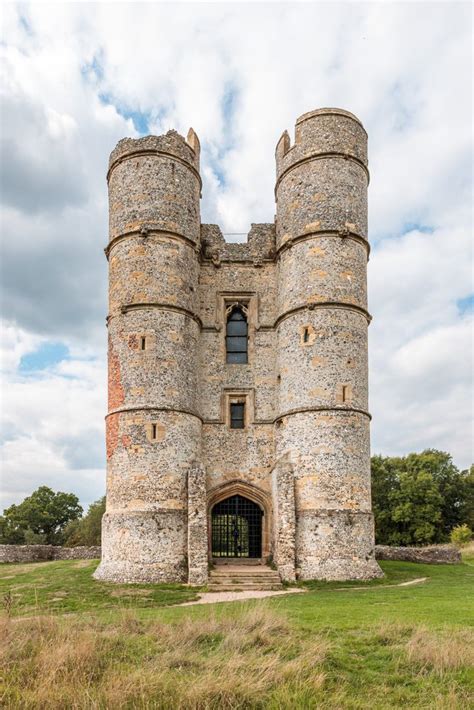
[236, 528]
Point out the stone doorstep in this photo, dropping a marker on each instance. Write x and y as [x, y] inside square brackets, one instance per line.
[241, 578]
[244, 580]
[244, 569]
[244, 587]
[238, 561]
[244, 573]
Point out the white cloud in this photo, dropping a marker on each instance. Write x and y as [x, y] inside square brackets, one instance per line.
[74, 75]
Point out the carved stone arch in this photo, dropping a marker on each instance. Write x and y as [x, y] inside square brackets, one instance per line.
[253, 493]
[237, 305]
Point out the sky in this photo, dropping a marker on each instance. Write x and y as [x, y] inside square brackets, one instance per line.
[75, 78]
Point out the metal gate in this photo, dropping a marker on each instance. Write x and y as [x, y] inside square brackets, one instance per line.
[236, 528]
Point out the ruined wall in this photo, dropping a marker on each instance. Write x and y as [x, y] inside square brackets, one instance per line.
[322, 421]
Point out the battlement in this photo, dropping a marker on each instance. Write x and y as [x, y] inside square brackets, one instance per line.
[171, 143]
[260, 244]
[323, 132]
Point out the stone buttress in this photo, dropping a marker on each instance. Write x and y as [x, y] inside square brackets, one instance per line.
[153, 424]
[322, 425]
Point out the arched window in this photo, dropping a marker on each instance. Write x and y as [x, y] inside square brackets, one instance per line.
[236, 340]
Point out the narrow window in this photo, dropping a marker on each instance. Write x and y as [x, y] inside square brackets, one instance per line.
[236, 337]
[143, 342]
[153, 432]
[345, 393]
[237, 411]
[306, 335]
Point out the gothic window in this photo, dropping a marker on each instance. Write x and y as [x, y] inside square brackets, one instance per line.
[236, 341]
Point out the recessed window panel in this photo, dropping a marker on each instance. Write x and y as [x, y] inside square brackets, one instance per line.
[237, 358]
[237, 412]
[236, 341]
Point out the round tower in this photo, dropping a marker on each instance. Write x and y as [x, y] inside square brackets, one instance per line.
[323, 420]
[153, 424]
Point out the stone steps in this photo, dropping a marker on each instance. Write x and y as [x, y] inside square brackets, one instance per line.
[243, 587]
[235, 578]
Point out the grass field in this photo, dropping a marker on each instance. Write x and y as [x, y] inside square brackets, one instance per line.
[67, 641]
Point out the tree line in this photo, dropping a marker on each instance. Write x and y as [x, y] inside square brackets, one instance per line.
[418, 499]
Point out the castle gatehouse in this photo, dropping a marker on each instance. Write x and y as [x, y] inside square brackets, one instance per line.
[238, 423]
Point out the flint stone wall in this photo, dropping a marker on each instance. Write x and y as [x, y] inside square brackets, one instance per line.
[302, 284]
[37, 553]
[431, 555]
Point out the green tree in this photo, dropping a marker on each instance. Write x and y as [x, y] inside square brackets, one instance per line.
[420, 498]
[42, 516]
[450, 483]
[416, 508]
[385, 473]
[86, 530]
[467, 506]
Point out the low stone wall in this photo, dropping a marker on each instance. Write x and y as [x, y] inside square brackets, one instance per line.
[431, 554]
[37, 553]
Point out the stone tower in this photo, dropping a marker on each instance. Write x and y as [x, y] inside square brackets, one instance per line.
[238, 420]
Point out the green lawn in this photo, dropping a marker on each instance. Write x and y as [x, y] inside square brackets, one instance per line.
[73, 642]
[68, 586]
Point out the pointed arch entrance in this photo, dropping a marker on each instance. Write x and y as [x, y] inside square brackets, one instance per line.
[238, 522]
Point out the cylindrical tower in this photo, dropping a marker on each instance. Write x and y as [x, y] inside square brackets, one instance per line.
[323, 422]
[153, 423]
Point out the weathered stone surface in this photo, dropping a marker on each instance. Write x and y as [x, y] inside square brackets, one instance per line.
[431, 554]
[284, 511]
[302, 284]
[36, 553]
[198, 561]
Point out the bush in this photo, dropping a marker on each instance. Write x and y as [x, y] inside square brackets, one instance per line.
[461, 535]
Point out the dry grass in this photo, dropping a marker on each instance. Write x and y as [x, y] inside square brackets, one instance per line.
[441, 653]
[211, 662]
[468, 550]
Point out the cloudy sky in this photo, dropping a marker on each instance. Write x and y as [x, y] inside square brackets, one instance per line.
[76, 78]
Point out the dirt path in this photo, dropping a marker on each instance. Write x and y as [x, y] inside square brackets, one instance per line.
[419, 580]
[216, 597]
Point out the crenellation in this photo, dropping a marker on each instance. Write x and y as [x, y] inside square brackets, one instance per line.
[238, 372]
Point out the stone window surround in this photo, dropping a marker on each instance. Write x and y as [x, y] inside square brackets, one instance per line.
[247, 299]
[247, 397]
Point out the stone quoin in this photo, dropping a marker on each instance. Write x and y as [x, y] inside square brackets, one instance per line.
[238, 421]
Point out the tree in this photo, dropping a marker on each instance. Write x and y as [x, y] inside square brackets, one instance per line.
[87, 530]
[416, 508]
[450, 482]
[420, 498]
[42, 516]
[467, 506]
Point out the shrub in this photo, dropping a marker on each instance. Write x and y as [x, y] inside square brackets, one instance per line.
[461, 535]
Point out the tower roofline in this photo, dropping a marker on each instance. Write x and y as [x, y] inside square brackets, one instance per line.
[329, 111]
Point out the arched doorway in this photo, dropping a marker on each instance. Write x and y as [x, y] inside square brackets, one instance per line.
[236, 528]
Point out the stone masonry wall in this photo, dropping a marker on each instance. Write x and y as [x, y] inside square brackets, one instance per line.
[322, 420]
[431, 554]
[38, 553]
[153, 424]
[302, 282]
